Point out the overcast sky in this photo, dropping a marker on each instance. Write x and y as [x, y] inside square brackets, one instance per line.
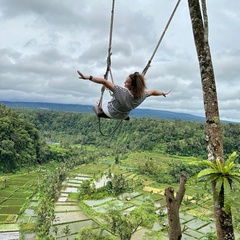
[43, 44]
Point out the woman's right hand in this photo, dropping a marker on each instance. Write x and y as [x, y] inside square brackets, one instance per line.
[81, 75]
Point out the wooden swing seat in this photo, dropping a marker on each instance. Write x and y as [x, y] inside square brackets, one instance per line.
[99, 112]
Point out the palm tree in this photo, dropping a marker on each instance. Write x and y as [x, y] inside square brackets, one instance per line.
[225, 176]
[213, 133]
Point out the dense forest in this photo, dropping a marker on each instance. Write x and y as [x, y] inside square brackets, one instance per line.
[24, 134]
[21, 145]
[19, 141]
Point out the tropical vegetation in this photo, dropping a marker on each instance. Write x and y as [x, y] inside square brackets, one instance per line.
[69, 139]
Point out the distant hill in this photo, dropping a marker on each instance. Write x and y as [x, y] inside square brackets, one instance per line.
[139, 113]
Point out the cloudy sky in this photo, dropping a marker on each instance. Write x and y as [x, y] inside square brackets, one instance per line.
[43, 44]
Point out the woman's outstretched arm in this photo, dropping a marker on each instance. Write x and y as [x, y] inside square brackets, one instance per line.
[157, 93]
[102, 81]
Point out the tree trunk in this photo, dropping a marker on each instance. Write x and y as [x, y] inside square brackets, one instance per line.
[173, 205]
[213, 127]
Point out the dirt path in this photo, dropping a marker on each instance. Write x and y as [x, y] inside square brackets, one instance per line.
[154, 190]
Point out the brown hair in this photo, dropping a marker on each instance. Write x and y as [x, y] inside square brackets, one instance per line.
[138, 84]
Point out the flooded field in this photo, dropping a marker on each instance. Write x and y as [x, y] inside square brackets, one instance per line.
[69, 216]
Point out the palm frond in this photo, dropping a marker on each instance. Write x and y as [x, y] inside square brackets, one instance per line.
[206, 172]
[235, 179]
[219, 166]
[228, 167]
[224, 176]
[207, 163]
[227, 184]
[219, 184]
[231, 158]
[234, 173]
[227, 195]
[213, 177]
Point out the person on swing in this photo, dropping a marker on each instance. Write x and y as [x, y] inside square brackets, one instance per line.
[124, 99]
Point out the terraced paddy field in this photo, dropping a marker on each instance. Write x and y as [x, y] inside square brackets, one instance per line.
[17, 191]
[18, 203]
[69, 214]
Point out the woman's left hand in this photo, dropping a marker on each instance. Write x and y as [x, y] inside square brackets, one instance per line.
[166, 93]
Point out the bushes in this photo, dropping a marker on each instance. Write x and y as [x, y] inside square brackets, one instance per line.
[47, 195]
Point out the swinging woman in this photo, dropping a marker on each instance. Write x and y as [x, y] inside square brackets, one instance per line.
[124, 99]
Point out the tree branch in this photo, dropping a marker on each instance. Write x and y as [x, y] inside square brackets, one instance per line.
[181, 189]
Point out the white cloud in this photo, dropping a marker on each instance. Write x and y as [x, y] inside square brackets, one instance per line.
[43, 43]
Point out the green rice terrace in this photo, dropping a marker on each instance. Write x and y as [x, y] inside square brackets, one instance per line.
[76, 214]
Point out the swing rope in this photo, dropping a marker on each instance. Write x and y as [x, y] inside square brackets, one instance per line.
[108, 70]
[160, 40]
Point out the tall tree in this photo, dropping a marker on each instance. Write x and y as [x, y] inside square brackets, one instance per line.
[213, 133]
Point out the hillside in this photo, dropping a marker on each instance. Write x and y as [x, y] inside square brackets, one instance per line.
[158, 114]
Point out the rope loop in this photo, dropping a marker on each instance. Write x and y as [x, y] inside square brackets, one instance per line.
[112, 132]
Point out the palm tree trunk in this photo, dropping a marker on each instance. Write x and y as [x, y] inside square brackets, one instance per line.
[213, 126]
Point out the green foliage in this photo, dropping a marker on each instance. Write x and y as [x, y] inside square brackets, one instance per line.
[150, 167]
[225, 176]
[117, 159]
[167, 171]
[21, 132]
[66, 231]
[210, 236]
[21, 145]
[125, 223]
[91, 233]
[118, 184]
[153, 235]
[86, 189]
[47, 194]
[19, 142]
[172, 137]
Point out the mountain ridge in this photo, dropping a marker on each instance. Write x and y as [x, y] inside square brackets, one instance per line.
[139, 112]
